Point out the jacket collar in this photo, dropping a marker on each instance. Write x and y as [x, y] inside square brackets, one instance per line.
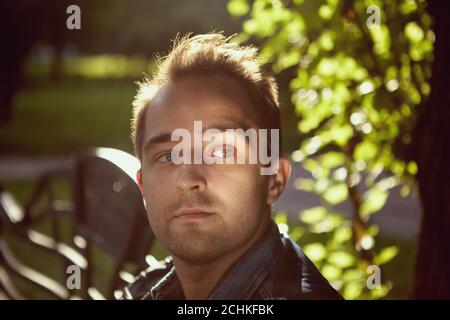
[241, 280]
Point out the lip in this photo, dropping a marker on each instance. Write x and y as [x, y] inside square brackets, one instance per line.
[193, 213]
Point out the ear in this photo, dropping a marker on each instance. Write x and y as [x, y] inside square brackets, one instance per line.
[278, 181]
[139, 179]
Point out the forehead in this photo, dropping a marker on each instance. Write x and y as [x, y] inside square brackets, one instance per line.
[211, 99]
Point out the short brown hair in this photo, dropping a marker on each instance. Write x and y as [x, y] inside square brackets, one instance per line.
[209, 54]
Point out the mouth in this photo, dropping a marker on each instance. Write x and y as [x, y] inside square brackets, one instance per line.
[193, 213]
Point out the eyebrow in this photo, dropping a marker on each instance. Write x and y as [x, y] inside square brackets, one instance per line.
[155, 140]
[222, 126]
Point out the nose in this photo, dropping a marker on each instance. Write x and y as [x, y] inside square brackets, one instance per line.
[190, 178]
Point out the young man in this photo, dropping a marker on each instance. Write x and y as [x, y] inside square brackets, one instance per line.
[215, 216]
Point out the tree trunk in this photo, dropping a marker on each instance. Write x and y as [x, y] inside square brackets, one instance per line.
[432, 137]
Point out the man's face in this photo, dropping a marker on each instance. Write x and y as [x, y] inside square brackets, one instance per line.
[231, 198]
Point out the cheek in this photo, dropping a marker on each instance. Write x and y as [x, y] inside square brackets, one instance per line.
[240, 188]
[157, 192]
[153, 181]
[250, 178]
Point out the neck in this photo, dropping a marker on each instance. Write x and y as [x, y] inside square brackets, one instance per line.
[198, 280]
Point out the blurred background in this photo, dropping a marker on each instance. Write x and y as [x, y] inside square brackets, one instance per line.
[364, 94]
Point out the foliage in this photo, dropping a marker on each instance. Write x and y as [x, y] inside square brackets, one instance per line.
[357, 89]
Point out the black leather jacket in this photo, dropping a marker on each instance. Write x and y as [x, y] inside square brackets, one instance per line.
[274, 268]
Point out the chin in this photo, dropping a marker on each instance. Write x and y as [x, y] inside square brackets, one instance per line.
[193, 250]
[196, 256]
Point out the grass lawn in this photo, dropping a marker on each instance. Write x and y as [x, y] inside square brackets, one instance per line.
[70, 116]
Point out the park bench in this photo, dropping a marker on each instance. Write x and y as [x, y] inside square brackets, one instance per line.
[105, 212]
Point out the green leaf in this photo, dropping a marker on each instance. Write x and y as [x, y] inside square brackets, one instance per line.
[327, 224]
[412, 168]
[341, 134]
[315, 251]
[326, 41]
[365, 150]
[385, 255]
[325, 12]
[281, 217]
[313, 215]
[238, 7]
[296, 233]
[408, 7]
[374, 200]
[381, 292]
[405, 191]
[288, 60]
[382, 40]
[373, 230]
[305, 184]
[336, 194]
[250, 26]
[332, 159]
[352, 290]
[327, 67]
[341, 259]
[331, 272]
[414, 32]
[342, 234]
[314, 167]
[353, 274]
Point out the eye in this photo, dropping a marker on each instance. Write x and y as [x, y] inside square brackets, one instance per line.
[165, 157]
[223, 152]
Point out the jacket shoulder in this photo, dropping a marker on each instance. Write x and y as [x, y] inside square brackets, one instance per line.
[298, 278]
[141, 285]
